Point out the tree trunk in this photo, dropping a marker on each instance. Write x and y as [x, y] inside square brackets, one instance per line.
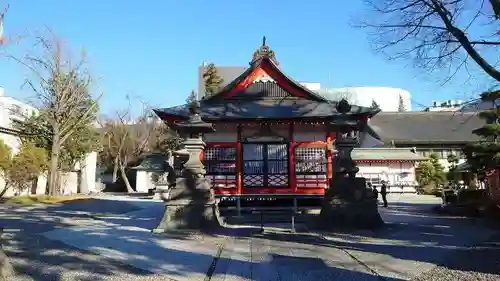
[125, 179]
[5, 189]
[115, 169]
[5, 266]
[53, 178]
[495, 4]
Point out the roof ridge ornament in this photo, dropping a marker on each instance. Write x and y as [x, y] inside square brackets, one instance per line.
[264, 52]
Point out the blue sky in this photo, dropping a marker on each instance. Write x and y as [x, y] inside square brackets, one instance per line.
[151, 49]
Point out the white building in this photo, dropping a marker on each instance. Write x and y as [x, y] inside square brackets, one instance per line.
[12, 109]
[387, 98]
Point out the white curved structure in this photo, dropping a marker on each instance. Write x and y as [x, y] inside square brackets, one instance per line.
[386, 97]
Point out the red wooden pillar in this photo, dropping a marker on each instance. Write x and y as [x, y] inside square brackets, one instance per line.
[291, 159]
[239, 161]
[330, 138]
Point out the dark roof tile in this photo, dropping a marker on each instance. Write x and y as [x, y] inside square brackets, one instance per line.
[426, 127]
[274, 109]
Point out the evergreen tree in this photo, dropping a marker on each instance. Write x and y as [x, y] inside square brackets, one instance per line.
[212, 80]
[431, 173]
[375, 104]
[452, 175]
[192, 97]
[401, 104]
[486, 153]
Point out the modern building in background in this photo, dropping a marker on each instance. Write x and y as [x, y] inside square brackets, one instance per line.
[449, 105]
[387, 98]
[12, 109]
[84, 172]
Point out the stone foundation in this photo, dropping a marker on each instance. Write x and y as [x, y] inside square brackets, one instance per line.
[348, 204]
[190, 206]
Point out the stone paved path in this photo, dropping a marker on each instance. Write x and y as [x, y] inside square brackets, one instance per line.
[415, 241]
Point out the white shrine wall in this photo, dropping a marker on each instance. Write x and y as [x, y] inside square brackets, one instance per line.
[399, 175]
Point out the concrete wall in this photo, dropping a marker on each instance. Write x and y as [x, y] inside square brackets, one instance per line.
[144, 182]
[88, 167]
[69, 181]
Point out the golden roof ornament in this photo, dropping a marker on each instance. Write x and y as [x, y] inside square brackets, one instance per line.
[264, 51]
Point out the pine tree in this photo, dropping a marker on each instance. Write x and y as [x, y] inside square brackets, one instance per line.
[452, 175]
[375, 104]
[192, 97]
[486, 153]
[212, 80]
[401, 104]
[431, 174]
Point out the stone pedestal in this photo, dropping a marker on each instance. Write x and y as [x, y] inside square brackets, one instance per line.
[162, 192]
[349, 204]
[190, 206]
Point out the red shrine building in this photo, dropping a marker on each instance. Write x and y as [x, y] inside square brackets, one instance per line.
[272, 137]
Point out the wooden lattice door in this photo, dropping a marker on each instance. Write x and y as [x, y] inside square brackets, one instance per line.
[265, 165]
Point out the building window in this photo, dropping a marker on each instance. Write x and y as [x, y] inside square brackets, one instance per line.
[311, 167]
[426, 152]
[16, 110]
[310, 160]
[220, 164]
[220, 160]
[444, 153]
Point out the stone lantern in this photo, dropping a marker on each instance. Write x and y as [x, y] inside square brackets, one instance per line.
[191, 202]
[348, 203]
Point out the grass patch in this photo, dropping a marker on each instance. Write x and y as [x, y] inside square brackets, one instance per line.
[43, 199]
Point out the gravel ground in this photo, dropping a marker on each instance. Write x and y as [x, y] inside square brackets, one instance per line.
[36, 258]
[480, 263]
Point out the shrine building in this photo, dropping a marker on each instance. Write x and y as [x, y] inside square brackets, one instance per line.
[272, 136]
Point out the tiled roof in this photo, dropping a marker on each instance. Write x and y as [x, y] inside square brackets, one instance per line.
[426, 127]
[272, 109]
[386, 154]
[152, 162]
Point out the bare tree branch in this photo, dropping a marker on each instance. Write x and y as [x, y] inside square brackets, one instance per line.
[62, 88]
[436, 33]
[127, 138]
[495, 4]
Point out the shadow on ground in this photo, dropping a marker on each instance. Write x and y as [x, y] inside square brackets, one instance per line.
[413, 233]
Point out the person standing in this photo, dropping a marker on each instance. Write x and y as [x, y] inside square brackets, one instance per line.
[383, 192]
[374, 190]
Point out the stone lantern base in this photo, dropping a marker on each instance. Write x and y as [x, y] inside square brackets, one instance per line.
[348, 204]
[190, 206]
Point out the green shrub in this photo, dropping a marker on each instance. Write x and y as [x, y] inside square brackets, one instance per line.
[471, 196]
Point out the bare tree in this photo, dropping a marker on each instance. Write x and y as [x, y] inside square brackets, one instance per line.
[438, 33]
[126, 138]
[61, 86]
